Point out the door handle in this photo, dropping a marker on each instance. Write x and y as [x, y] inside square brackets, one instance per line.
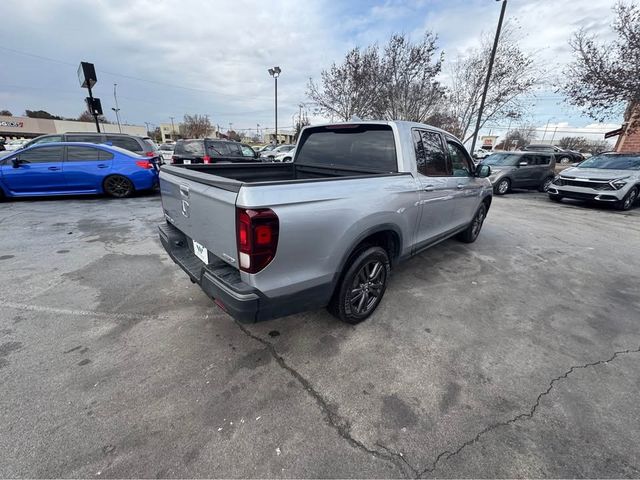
[53, 168]
[429, 188]
[102, 165]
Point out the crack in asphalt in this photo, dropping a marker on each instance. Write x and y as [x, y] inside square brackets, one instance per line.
[343, 427]
[335, 421]
[447, 454]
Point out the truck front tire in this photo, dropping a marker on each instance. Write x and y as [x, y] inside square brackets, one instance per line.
[362, 286]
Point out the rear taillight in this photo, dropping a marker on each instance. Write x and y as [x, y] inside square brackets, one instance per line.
[144, 164]
[206, 159]
[150, 154]
[257, 237]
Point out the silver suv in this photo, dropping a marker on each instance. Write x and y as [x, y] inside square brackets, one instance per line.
[608, 177]
[520, 170]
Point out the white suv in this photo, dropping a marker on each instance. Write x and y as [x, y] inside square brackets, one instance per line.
[608, 177]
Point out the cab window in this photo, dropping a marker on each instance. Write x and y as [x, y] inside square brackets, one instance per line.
[461, 164]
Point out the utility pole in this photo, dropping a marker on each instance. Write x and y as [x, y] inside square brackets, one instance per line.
[554, 134]
[173, 130]
[117, 110]
[545, 130]
[486, 83]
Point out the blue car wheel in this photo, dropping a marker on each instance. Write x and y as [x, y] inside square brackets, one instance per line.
[118, 186]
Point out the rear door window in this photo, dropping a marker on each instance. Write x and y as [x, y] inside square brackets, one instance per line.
[350, 146]
[544, 159]
[218, 149]
[82, 154]
[431, 158]
[125, 142]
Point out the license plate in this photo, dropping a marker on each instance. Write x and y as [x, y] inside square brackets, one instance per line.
[187, 162]
[201, 252]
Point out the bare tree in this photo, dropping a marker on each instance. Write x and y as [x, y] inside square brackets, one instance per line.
[350, 88]
[514, 75]
[573, 143]
[407, 80]
[517, 138]
[233, 135]
[604, 78]
[6, 113]
[195, 126]
[594, 147]
[399, 84]
[87, 117]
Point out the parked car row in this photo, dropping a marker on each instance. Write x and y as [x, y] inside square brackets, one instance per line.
[76, 168]
[612, 178]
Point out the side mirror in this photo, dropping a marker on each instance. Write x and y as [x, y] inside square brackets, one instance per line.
[523, 164]
[16, 162]
[483, 171]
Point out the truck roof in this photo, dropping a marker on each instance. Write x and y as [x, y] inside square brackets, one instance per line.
[400, 125]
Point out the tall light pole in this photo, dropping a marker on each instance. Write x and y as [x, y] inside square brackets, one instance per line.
[173, 130]
[486, 83]
[275, 73]
[117, 110]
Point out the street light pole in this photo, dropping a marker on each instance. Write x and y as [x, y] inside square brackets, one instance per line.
[117, 110]
[173, 130]
[275, 73]
[486, 83]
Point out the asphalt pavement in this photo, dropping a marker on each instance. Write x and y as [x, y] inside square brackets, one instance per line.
[515, 356]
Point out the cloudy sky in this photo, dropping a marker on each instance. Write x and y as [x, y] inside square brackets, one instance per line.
[169, 58]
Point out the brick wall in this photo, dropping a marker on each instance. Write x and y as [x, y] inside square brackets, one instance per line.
[629, 141]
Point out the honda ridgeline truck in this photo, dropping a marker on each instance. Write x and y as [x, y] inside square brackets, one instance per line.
[271, 239]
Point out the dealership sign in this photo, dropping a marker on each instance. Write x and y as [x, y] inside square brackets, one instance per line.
[4, 123]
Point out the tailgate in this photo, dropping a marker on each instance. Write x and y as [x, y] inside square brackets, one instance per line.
[204, 212]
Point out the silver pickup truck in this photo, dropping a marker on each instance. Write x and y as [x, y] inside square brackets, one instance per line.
[267, 240]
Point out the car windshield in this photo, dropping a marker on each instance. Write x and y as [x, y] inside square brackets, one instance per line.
[504, 159]
[613, 162]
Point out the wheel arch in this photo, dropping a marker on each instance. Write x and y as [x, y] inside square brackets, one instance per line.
[387, 236]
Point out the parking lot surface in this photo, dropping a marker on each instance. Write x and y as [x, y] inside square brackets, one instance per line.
[514, 356]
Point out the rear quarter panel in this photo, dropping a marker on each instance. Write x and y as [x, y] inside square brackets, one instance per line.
[320, 222]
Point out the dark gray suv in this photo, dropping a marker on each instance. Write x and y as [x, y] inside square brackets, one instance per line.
[140, 145]
[521, 170]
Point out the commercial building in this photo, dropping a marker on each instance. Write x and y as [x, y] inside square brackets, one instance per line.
[25, 127]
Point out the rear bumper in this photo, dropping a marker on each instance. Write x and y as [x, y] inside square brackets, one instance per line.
[219, 280]
[222, 282]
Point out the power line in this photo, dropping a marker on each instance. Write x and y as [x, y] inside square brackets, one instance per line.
[131, 77]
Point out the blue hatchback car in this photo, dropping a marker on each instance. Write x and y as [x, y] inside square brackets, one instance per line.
[73, 168]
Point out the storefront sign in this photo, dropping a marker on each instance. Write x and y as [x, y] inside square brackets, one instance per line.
[4, 123]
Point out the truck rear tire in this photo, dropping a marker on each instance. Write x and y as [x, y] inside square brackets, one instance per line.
[362, 286]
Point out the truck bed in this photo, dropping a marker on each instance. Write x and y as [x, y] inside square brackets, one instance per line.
[243, 173]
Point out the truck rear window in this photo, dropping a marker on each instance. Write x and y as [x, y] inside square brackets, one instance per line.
[349, 146]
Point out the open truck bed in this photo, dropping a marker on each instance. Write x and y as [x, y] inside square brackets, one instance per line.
[232, 176]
